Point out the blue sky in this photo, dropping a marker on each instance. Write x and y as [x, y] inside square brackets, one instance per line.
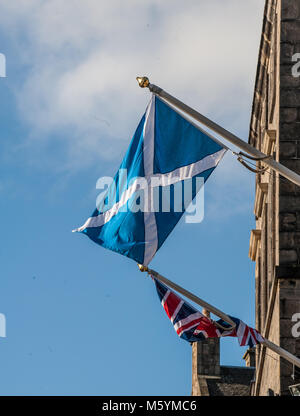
[82, 320]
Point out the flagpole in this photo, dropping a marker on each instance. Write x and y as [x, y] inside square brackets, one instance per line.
[189, 295]
[283, 353]
[278, 350]
[241, 144]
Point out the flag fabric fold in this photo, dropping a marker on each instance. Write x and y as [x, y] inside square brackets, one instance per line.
[193, 326]
[165, 150]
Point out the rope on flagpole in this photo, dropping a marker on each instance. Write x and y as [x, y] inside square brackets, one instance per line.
[242, 155]
[242, 162]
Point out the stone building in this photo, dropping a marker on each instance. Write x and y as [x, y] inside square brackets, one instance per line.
[209, 378]
[275, 242]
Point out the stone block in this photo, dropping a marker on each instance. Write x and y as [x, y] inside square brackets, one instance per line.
[289, 277]
[290, 293]
[298, 219]
[290, 131]
[288, 150]
[289, 203]
[288, 256]
[290, 31]
[290, 9]
[288, 308]
[286, 328]
[290, 98]
[289, 81]
[286, 68]
[289, 240]
[288, 115]
[287, 51]
[206, 357]
[287, 221]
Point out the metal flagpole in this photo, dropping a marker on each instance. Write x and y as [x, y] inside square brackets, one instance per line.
[269, 161]
[280, 351]
[283, 353]
[189, 295]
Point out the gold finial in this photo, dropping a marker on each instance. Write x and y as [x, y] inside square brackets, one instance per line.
[206, 313]
[143, 82]
[143, 268]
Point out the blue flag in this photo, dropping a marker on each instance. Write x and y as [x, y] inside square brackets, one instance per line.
[136, 214]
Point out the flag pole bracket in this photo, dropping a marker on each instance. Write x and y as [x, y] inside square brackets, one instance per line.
[258, 171]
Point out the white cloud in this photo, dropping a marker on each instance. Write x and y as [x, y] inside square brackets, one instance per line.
[81, 58]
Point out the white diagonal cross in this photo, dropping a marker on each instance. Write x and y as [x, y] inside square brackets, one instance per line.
[163, 179]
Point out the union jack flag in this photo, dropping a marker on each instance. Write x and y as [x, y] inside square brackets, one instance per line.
[193, 326]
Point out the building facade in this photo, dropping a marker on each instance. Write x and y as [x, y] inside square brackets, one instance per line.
[275, 242]
[209, 378]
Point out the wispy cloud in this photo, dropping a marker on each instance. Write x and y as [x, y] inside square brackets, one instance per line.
[81, 59]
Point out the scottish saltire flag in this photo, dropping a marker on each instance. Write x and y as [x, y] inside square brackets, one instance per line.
[193, 326]
[166, 150]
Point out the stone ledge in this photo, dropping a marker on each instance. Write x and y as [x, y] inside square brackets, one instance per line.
[261, 192]
[254, 243]
[269, 142]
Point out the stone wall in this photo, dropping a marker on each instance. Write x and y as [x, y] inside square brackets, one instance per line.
[205, 363]
[275, 244]
[289, 194]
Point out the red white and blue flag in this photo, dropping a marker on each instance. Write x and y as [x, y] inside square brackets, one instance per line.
[193, 326]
